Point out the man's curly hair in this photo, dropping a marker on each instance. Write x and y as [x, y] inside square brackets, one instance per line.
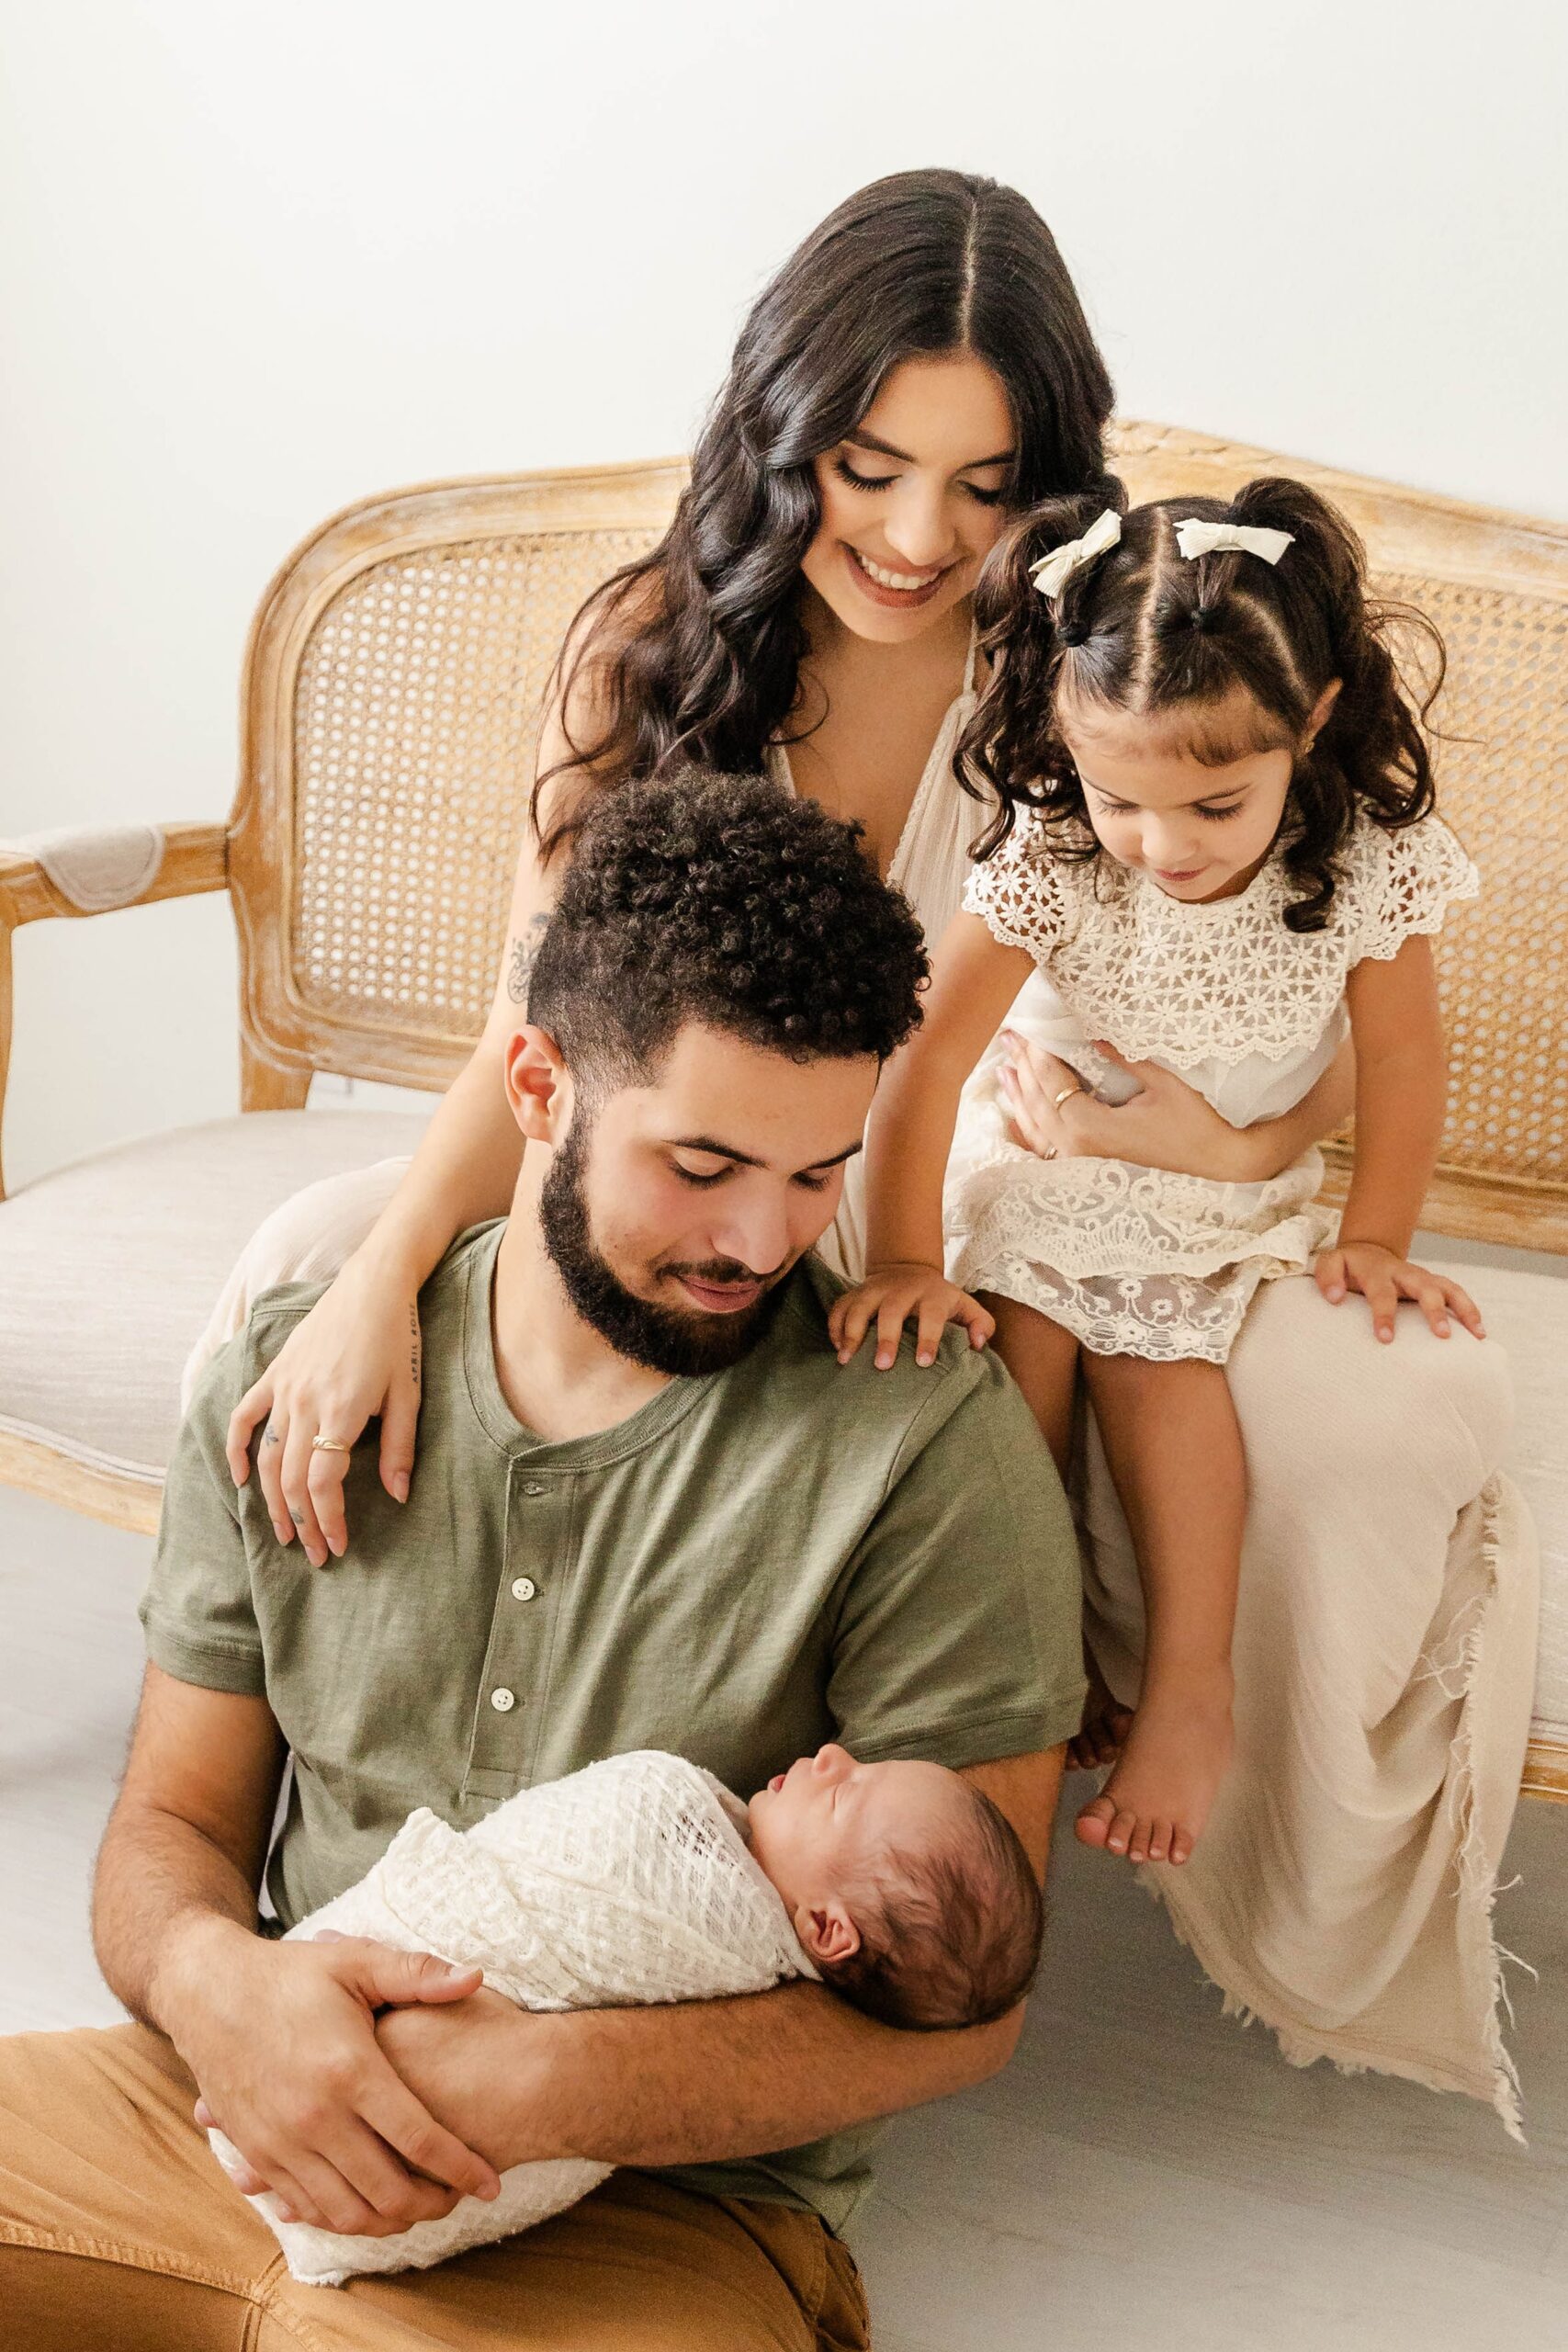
[726, 902]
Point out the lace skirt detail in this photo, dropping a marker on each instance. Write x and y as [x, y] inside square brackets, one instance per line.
[1134, 1261]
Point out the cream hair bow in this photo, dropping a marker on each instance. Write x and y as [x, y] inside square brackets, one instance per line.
[1195, 538]
[1053, 571]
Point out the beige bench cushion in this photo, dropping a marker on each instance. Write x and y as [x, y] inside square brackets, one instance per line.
[110, 1268]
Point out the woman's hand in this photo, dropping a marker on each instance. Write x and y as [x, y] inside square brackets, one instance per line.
[1384, 1278]
[1169, 1124]
[356, 1354]
[889, 1297]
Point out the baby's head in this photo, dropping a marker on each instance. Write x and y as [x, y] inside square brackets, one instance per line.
[908, 1889]
[1180, 686]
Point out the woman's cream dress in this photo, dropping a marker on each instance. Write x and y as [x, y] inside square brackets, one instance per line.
[1385, 1635]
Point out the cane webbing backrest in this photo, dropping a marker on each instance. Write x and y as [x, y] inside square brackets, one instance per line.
[1496, 587]
[394, 691]
[393, 697]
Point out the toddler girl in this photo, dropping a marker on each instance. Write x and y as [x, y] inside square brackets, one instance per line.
[1215, 847]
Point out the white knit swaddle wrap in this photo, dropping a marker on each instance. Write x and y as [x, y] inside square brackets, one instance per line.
[627, 1883]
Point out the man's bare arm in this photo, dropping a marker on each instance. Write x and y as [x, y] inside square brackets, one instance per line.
[700, 2081]
[280, 2037]
[184, 1846]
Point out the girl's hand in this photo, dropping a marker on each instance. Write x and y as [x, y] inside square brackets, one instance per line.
[355, 1354]
[1384, 1278]
[1169, 1126]
[888, 1297]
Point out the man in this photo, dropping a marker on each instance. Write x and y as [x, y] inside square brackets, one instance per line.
[651, 1510]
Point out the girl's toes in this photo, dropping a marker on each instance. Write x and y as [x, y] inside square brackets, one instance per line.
[1093, 1824]
[1159, 1841]
[1138, 1844]
[1181, 1843]
[1119, 1836]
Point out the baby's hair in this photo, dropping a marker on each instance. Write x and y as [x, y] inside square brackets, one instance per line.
[1142, 628]
[949, 1936]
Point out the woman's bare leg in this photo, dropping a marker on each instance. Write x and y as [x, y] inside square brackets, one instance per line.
[1174, 1448]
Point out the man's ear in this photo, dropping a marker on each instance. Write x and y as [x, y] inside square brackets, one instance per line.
[827, 1934]
[538, 1085]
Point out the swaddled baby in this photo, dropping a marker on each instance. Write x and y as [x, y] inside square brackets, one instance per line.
[642, 1879]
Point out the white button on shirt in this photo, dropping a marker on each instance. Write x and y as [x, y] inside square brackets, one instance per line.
[523, 1587]
[502, 1700]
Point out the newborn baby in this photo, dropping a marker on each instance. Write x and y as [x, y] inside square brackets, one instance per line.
[641, 1879]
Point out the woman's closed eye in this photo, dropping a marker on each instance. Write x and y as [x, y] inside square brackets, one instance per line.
[846, 472]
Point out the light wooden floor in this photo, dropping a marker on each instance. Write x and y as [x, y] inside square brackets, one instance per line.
[1146, 2175]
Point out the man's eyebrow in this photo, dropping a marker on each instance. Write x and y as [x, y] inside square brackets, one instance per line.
[860, 440]
[717, 1150]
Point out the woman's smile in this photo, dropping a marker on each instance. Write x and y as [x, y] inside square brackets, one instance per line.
[901, 591]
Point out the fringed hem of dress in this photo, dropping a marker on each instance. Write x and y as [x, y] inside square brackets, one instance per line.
[1493, 2076]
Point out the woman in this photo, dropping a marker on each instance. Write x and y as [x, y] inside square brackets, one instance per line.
[921, 367]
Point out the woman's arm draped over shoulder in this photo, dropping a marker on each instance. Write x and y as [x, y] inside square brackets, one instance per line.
[357, 1353]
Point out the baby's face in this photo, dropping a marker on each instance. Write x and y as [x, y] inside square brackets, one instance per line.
[828, 1826]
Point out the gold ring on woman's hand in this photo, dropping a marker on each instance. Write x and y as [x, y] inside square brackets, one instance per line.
[320, 1445]
[1049, 1152]
[1067, 1092]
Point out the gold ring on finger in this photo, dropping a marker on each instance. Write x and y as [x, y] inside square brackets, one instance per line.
[320, 1445]
[1067, 1092]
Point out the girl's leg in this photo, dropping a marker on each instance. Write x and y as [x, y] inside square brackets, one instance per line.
[1042, 1359]
[1174, 1448]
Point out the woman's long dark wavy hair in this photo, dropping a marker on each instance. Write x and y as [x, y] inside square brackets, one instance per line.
[1144, 628]
[694, 651]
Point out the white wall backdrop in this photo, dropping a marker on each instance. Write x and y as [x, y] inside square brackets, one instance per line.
[261, 260]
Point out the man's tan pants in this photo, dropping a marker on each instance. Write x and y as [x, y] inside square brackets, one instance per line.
[119, 2234]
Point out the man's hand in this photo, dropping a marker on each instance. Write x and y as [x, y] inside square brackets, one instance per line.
[281, 2039]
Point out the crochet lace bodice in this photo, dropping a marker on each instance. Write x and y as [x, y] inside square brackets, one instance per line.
[1188, 984]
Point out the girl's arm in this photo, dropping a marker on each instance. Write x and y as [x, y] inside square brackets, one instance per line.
[1401, 1089]
[975, 979]
[357, 1353]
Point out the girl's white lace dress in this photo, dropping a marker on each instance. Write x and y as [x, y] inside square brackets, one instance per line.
[628, 1881]
[1135, 1261]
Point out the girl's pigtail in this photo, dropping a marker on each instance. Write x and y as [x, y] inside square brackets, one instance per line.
[1011, 743]
[1369, 751]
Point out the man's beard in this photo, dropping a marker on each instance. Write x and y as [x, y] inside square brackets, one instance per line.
[685, 1344]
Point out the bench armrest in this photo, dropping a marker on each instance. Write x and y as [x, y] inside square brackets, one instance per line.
[91, 870]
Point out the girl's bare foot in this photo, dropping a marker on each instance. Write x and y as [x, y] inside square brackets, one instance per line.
[1106, 1724]
[1153, 1806]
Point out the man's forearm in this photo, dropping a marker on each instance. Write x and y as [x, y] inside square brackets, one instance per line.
[692, 2082]
[160, 1883]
